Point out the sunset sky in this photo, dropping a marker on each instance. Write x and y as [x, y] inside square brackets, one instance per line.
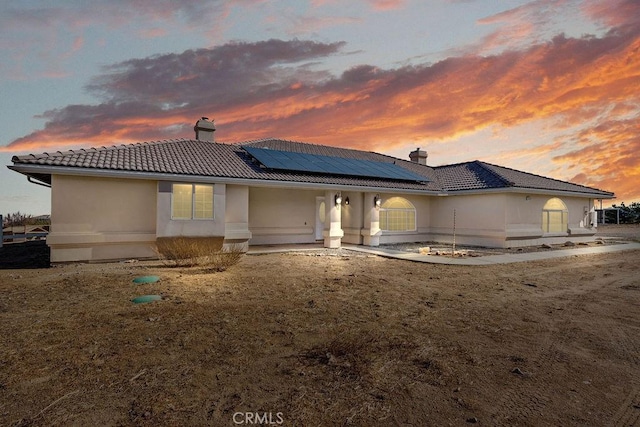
[550, 87]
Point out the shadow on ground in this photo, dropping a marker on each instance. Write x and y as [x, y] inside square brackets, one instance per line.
[33, 254]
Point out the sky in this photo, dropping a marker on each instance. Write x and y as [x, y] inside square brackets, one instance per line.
[551, 87]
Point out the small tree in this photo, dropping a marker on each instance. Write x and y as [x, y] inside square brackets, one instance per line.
[16, 218]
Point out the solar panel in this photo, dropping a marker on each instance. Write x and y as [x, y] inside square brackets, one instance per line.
[315, 163]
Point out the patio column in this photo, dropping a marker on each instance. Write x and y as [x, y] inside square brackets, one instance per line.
[332, 232]
[371, 231]
[236, 217]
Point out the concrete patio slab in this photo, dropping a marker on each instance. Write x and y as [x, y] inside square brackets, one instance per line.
[435, 259]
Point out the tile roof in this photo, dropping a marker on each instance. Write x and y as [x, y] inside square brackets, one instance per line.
[469, 176]
[477, 175]
[212, 159]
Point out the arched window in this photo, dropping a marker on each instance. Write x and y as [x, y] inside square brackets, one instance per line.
[554, 216]
[397, 214]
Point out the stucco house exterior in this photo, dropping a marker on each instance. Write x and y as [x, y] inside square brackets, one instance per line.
[114, 202]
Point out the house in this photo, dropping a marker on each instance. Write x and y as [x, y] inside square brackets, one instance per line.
[113, 202]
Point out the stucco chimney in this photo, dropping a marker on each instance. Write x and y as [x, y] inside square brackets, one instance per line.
[418, 156]
[204, 129]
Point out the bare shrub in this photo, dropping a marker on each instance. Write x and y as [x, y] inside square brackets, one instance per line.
[207, 252]
[225, 258]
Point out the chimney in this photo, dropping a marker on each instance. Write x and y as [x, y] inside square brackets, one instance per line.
[418, 156]
[204, 129]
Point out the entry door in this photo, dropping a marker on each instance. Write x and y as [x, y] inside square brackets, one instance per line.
[320, 214]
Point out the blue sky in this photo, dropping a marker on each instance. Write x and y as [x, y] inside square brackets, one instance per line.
[546, 86]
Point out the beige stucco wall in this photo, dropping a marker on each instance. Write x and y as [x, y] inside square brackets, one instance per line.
[526, 209]
[102, 219]
[578, 209]
[99, 219]
[480, 219]
[505, 219]
[524, 220]
[282, 215]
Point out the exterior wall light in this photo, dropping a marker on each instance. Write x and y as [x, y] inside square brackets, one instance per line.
[338, 199]
[377, 201]
[346, 201]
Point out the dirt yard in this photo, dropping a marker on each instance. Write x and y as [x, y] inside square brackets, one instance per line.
[310, 340]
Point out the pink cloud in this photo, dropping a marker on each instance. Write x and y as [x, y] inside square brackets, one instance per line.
[258, 89]
[386, 4]
[612, 13]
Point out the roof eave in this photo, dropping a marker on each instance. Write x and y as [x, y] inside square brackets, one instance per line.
[591, 195]
[30, 169]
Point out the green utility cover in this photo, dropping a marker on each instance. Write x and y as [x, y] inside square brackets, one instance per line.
[146, 298]
[146, 279]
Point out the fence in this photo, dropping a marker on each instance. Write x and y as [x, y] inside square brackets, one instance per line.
[27, 233]
[603, 218]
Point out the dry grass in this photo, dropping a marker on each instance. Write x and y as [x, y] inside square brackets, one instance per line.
[324, 340]
[206, 252]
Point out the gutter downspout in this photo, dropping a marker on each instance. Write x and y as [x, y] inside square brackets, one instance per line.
[31, 180]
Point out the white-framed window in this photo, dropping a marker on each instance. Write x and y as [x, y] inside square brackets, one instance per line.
[397, 214]
[555, 217]
[192, 201]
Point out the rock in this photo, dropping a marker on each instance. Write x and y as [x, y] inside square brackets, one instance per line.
[599, 242]
[425, 250]
[569, 243]
[472, 420]
[545, 246]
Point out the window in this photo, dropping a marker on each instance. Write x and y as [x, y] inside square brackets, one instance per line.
[192, 201]
[555, 216]
[397, 214]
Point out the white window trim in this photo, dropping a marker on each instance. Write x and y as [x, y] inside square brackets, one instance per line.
[193, 202]
[415, 220]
